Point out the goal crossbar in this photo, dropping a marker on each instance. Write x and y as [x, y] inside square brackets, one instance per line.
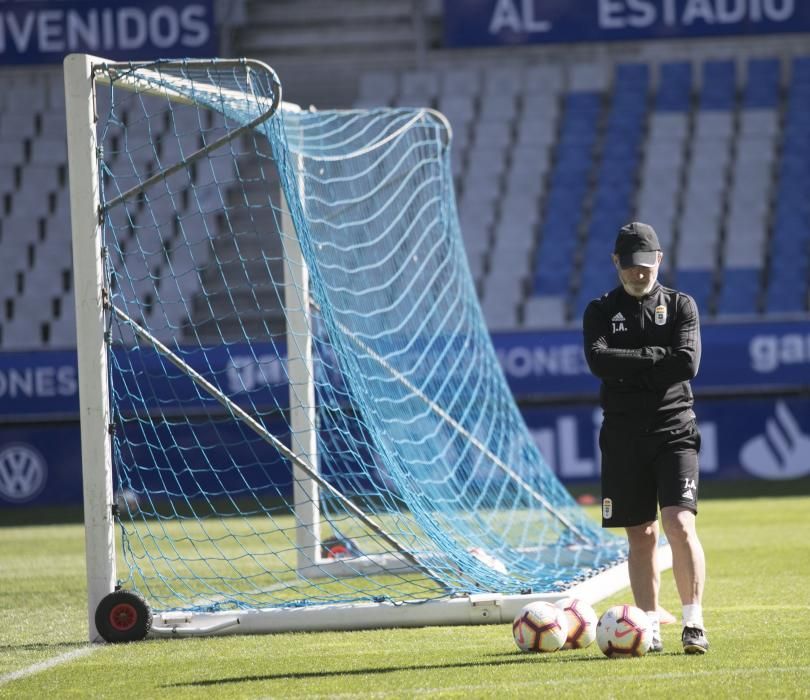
[151, 82]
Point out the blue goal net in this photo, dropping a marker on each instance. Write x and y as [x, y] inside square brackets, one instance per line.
[307, 405]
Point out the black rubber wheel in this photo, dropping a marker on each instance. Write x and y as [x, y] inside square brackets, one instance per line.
[123, 616]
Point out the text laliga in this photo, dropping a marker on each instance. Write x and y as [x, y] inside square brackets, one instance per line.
[619, 14]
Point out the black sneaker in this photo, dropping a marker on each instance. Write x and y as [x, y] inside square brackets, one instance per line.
[694, 640]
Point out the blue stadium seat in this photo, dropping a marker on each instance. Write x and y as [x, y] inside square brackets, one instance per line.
[605, 226]
[564, 194]
[617, 175]
[762, 84]
[632, 75]
[627, 108]
[595, 282]
[559, 227]
[624, 124]
[552, 270]
[796, 156]
[796, 127]
[799, 88]
[551, 283]
[575, 150]
[597, 269]
[631, 97]
[613, 207]
[787, 292]
[583, 102]
[796, 137]
[800, 70]
[698, 284]
[739, 291]
[798, 102]
[567, 175]
[718, 91]
[791, 241]
[620, 140]
[792, 206]
[675, 87]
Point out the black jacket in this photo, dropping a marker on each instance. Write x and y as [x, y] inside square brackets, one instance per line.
[645, 351]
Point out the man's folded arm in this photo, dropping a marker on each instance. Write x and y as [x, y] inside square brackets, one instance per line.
[609, 363]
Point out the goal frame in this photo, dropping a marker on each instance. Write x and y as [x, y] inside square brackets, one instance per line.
[92, 309]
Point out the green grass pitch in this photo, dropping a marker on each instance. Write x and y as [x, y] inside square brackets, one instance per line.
[757, 607]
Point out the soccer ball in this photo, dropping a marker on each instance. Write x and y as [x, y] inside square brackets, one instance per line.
[540, 626]
[582, 623]
[624, 630]
[127, 502]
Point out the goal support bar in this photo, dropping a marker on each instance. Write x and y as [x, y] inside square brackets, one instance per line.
[481, 609]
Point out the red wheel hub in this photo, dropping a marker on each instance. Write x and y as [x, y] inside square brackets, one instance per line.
[123, 617]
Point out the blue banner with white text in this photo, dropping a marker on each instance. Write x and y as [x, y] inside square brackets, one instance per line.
[744, 436]
[548, 364]
[752, 356]
[511, 22]
[45, 31]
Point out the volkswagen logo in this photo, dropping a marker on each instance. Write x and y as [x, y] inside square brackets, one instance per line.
[23, 473]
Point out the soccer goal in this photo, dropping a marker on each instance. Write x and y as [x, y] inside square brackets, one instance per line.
[292, 415]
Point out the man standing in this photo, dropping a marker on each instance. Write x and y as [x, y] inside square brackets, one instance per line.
[643, 341]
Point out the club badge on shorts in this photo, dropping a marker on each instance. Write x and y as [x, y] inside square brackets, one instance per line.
[607, 508]
[660, 315]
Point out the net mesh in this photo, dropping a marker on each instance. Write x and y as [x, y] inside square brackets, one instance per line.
[430, 484]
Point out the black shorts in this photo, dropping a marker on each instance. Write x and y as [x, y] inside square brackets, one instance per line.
[641, 472]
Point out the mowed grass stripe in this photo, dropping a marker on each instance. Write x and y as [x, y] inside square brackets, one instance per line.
[757, 604]
[498, 688]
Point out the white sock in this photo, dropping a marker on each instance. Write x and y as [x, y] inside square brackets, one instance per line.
[693, 615]
[656, 622]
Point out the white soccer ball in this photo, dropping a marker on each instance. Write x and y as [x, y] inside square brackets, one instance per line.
[624, 630]
[540, 627]
[127, 502]
[582, 621]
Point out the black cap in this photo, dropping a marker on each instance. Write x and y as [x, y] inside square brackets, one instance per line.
[637, 244]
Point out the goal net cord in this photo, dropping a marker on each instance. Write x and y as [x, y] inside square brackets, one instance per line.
[397, 332]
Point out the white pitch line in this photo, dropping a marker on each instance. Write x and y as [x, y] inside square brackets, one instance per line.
[48, 663]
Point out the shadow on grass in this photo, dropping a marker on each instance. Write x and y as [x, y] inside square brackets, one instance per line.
[55, 515]
[503, 660]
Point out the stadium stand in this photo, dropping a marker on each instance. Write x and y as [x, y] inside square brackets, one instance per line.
[789, 255]
[689, 146]
[549, 159]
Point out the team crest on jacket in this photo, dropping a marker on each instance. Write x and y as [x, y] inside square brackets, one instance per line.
[660, 315]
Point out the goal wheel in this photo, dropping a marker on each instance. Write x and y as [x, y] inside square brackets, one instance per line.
[339, 548]
[123, 616]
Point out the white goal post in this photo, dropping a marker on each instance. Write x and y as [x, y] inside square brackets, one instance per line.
[402, 533]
